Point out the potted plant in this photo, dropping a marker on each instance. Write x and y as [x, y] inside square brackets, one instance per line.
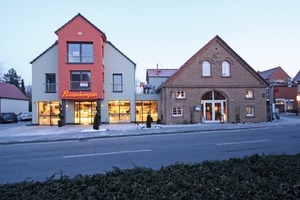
[97, 118]
[60, 115]
[149, 121]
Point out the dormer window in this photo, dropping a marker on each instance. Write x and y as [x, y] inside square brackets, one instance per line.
[80, 53]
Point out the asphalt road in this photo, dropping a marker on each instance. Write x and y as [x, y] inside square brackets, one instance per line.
[38, 161]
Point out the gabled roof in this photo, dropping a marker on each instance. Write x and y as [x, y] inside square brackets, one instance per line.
[108, 42]
[268, 73]
[55, 43]
[297, 77]
[228, 48]
[275, 74]
[160, 72]
[79, 15]
[10, 91]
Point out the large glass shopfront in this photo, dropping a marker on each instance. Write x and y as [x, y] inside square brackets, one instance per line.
[48, 112]
[119, 111]
[84, 112]
[143, 108]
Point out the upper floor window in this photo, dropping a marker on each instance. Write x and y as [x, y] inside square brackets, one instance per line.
[80, 80]
[177, 111]
[80, 53]
[117, 83]
[50, 83]
[180, 94]
[249, 111]
[206, 68]
[249, 94]
[225, 68]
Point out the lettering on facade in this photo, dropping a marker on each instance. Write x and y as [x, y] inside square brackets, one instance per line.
[80, 94]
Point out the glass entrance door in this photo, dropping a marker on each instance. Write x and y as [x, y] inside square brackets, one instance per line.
[85, 112]
[212, 111]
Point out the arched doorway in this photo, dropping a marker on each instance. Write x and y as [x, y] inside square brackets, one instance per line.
[214, 107]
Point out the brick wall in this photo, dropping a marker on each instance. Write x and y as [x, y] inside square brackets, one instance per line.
[189, 79]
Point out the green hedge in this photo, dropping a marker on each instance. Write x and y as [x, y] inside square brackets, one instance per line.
[254, 177]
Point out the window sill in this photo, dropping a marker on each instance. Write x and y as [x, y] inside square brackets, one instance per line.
[250, 116]
[248, 98]
[80, 63]
[225, 76]
[206, 76]
[50, 92]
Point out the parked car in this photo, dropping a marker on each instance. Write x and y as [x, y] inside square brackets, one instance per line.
[8, 117]
[24, 116]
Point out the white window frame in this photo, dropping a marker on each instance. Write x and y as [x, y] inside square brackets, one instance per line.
[249, 94]
[206, 68]
[250, 111]
[225, 69]
[177, 111]
[180, 94]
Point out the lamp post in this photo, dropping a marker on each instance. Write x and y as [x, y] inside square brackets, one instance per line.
[298, 102]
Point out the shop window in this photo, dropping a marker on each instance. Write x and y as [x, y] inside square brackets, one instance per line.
[119, 111]
[249, 94]
[50, 83]
[143, 108]
[48, 112]
[249, 111]
[206, 68]
[80, 53]
[117, 83]
[80, 80]
[180, 94]
[177, 111]
[225, 69]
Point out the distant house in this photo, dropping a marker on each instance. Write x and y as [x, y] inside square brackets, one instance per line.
[283, 90]
[12, 99]
[215, 85]
[296, 79]
[148, 101]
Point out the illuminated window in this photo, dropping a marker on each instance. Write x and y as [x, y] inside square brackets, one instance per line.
[249, 94]
[249, 111]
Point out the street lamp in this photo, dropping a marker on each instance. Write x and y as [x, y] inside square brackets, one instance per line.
[298, 102]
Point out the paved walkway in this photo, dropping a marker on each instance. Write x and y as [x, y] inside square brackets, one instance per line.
[76, 132]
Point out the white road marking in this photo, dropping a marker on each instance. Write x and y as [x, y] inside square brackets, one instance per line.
[243, 142]
[107, 153]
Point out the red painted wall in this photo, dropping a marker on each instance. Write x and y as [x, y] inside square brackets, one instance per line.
[80, 30]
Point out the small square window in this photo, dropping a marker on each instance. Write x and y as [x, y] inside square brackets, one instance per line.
[249, 111]
[177, 111]
[180, 95]
[249, 94]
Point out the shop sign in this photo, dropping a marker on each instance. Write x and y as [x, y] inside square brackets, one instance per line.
[80, 94]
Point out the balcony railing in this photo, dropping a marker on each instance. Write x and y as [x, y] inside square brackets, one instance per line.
[79, 58]
[50, 87]
[80, 85]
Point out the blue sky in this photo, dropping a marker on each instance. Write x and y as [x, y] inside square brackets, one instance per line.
[265, 33]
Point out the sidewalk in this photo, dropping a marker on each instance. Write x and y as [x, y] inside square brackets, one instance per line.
[28, 134]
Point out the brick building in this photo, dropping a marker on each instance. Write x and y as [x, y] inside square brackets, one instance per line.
[283, 90]
[214, 85]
